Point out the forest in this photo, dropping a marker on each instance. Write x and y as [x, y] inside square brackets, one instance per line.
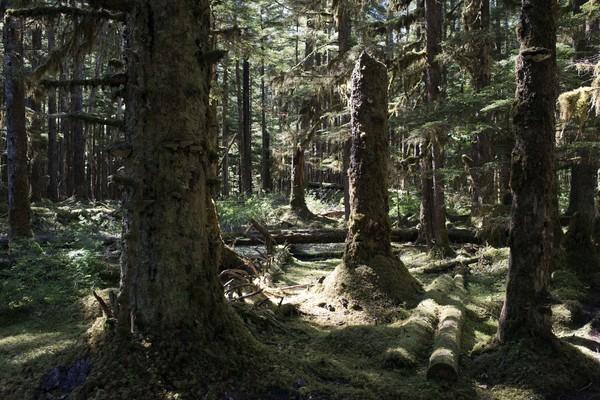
[300, 199]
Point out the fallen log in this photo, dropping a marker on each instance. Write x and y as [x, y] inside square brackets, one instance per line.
[414, 337]
[450, 294]
[456, 235]
[447, 265]
[44, 239]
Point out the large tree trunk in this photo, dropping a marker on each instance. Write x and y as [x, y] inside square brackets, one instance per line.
[265, 163]
[369, 270]
[19, 212]
[526, 312]
[168, 278]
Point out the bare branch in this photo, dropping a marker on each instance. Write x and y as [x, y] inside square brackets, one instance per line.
[59, 11]
[90, 119]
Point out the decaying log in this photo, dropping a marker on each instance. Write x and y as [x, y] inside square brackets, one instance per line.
[414, 336]
[447, 265]
[450, 294]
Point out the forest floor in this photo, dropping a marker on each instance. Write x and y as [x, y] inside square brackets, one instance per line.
[47, 311]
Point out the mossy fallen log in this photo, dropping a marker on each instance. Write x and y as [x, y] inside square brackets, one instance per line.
[450, 294]
[414, 336]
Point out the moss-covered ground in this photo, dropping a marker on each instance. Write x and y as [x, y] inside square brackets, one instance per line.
[329, 349]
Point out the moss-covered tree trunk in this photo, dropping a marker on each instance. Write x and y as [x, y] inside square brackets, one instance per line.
[369, 270]
[19, 211]
[526, 312]
[169, 290]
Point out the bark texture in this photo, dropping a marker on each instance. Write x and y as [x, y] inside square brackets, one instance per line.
[170, 255]
[369, 270]
[433, 206]
[19, 212]
[526, 314]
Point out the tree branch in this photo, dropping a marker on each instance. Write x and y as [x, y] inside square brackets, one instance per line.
[90, 119]
[59, 11]
[109, 80]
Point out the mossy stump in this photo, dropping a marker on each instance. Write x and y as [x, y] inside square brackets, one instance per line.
[370, 273]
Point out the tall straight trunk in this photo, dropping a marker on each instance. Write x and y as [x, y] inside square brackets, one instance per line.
[19, 211]
[225, 130]
[584, 174]
[476, 19]
[246, 150]
[344, 30]
[52, 133]
[304, 136]
[66, 128]
[433, 209]
[265, 166]
[79, 139]
[37, 176]
[240, 114]
[526, 312]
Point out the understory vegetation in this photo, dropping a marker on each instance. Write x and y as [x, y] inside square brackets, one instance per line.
[50, 320]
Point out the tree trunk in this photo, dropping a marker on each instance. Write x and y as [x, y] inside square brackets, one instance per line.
[433, 208]
[52, 133]
[168, 272]
[19, 212]
[38, 180]
[526, 314]
[433, 229]
[297, 199]
[265, 164]
[369, 269]
[225, 130]
[246, 150]
[79, 181]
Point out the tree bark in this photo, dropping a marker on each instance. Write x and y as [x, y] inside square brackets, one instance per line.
[246, 150]
[37, 176]
[19, 212]
[79, 140]
[369, 269]
[433, 207]
[525, 314]
[52, 132]
[225, 130]
[170, 255]
[265, 163]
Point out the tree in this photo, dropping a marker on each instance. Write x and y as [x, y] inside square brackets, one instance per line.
[169, 291]
[526, 311]
[246, 135]
[19, 211]
[433, 208]
[369, 270]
